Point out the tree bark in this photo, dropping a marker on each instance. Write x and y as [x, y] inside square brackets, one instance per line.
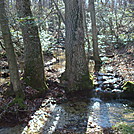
[14, 74]
[76, 74]
[34, 66]
[94, 36]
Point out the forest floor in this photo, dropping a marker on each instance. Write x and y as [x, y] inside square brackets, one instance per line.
[122, 62]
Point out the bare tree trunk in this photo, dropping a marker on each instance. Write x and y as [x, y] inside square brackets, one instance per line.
[94, 36]
[14, 74]
[76, 74]
[34, 66]
[86, 33]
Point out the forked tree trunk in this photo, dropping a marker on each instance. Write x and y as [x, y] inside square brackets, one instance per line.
[76, 74]
[14, 75]
[34, 66]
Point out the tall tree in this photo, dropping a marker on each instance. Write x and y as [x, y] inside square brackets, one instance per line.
[76, 74]
[34, 66]
[94, 36]
[14, 75]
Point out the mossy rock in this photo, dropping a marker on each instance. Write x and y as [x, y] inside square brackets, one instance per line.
[128, 87]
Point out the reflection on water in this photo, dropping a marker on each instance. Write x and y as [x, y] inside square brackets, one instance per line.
[107, 114]
[71, 117]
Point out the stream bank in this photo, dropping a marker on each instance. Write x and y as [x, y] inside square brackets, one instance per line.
[81, 117]
[57, 115]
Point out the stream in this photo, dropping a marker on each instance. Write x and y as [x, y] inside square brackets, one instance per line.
[76, 118]
[88, 116]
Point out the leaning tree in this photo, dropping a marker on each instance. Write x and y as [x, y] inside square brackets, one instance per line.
[14, 74]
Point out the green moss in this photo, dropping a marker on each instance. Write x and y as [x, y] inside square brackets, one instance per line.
[32, 76]
[123, 128]
[83, 84]
[19, 102]
[86, 82]
[19, 99]
[128, 86]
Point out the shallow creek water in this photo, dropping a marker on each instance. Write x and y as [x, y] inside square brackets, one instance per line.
[82, 117]
[78, 117]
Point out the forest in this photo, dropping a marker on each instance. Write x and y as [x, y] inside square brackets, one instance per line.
[66, 67]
